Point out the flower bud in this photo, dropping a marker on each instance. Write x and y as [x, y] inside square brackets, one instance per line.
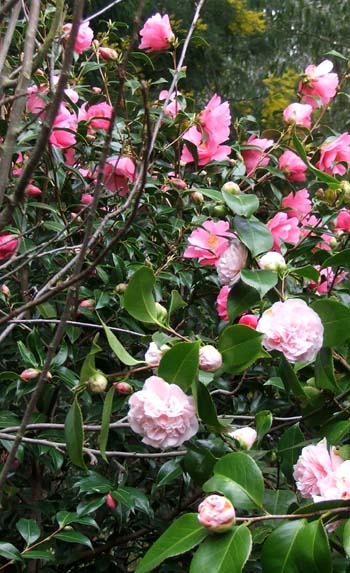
[86, 199]
[108, 53]
[97, 383]
[33, 190]
[231, 187]
[110, 501]
[333, 242]
[123, 387]
[162, 313]
[330, 196]
[220, 210]
[154, 354]
[121, 288]
[210, 359]
[88, 304]
[216, 513]
[5, 290]
[249, 320]
[96, 90]
[244, 436]
[345, 187]
[29, 374]
[197, 197]
[272, 261]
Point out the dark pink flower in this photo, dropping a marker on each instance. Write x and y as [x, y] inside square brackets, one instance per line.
[334, 154]
[254, 158]
[33, 190]
[84, 37]
[292, 166]
[117, 172]
[327, 279]
[8, 245]
[318, 84]
[216, 119]
[97, 115]
[156, 34]
[65, 120]
[249, 320]
[342, 222]
[298, 114]
[209, 242]
[298, 204]
[283, 229]
[221, 302]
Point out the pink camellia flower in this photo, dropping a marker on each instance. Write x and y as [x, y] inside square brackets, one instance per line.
[231, 262]
[245, 436]
[154, 354]
[334, 154]
[84, 37]
[254, 158]
[314, 464]
[298, 204]
[292, 166]
[210, 358]
[298, 114]
[216, 513]
[162, 414]
[207, 148]
[283, 229]
[221, 302]
[36, 99]
[86, 199]
[65, 120]
[335, 485]
[208, 242]
[216, 119]
[33, 190]
[327, 279]
[8, 245]
[250, 320]
[98, 116]
[173, 107]
[156, 34]
[293, 328]
[117, 172]
[272, 261]
[342, 222]
[318, 84]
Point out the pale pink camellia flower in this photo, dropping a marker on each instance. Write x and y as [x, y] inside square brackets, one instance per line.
[318, 84]
[216, 513]
[335, 485]
[69, 92]
[334, 154]
[272, 261]
[245, 436]
[84, 38]
[117, 172]
[293, 328]
[221, 302]
[156, 34]
[298, 204]
[298, 114]
[209, 242]
[342, 222]
[254, 158]
[283, 229]
[250, 320]
[327, 279]
[153, 354]
[314, 464]
[231, 262]
[8, 245]
[292, 166]
[65, 120]
[98, 116]
[33, 190]
[173, 107]
[210, 358]
[162, 414]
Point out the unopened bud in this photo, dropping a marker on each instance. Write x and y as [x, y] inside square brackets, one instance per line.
[96, 90]
[320, 193]
[97, 383]
[250, 320]
[333, 242]
[210, 358]
[272, 261]
[88, 304]
[108, 53]
[330, 196]
[29, 374]
[345, 187]
[121, 288]
[162, 313]
[197, 197]
[231, 187]
[216, 513]
[123, 387]
[5, 290]
[220, 210]
[110, 501]
[244, 436]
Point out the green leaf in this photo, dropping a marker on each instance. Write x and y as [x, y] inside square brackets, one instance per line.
[263, 422]
[72, 536]
[94, 483]
[243, 205]
[176, 302]
[312, 549]
[198, 463]
[346, 537]
[289, 448]
[335, 319]
[254, 234]
[89, 368]
[121, 353]
[9, 551]
[182, 535]
[168, 473]
[225, 553]
[74, 434]
[27, 356]
[211, 193]
[241, 298]
[278, 554]
[90, 505]
[138, 297]
[324, 370]
[132, 498]
[206, 408]
[240, 346]
[44, 554]
[239, 478]
[278, 501]
[29, 530]
[331, 181]
[335, 431]
[262, 281]
[290, 379]
[341, 259]
[179, 365]
[308, 271]
[106, 418]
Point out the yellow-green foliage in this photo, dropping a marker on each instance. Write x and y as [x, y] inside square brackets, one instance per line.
[281, 91]
[246, 22]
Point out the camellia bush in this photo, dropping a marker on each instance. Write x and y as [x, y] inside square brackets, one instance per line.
[175, 319]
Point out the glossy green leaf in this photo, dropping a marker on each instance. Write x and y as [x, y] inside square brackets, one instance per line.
[238, 477]
[346, 537]
[263, 422]
[290, 379]
[241, 298]
[341, 259]
[321, 175]
[9, 551]
[289, 448]
[182, 535]
[278, 501]
[240, 346]
[206, 408]
[74, 434]
[179, 365]
[138, 297]
[243, 205]
[308, 271]
[254, 234]
[260, 280]
[27, 356]
[121, 353]
[168, 473]
[106, 418]
[28, 529]
[132, 498]
[72, 536]
[89, 368]
[278, 554]
[324, 370]
[312, 549]
[44, 554]
[225, 553]
[335, 431]
[94, 483]
[199, 463]
[90, 505]
[176, 302]
[335, 319]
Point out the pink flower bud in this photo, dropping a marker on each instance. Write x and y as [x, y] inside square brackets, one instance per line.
[29, 374]
[272, 261]
[33, 191]
[108, 53]
[123, 387]
[249, 320]
[210, 359]
[5, 290]
[88, 304]
[110, 501]
[8, 245]
[244, 436]
[96, 90]
[216, 513]
[97, 383]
